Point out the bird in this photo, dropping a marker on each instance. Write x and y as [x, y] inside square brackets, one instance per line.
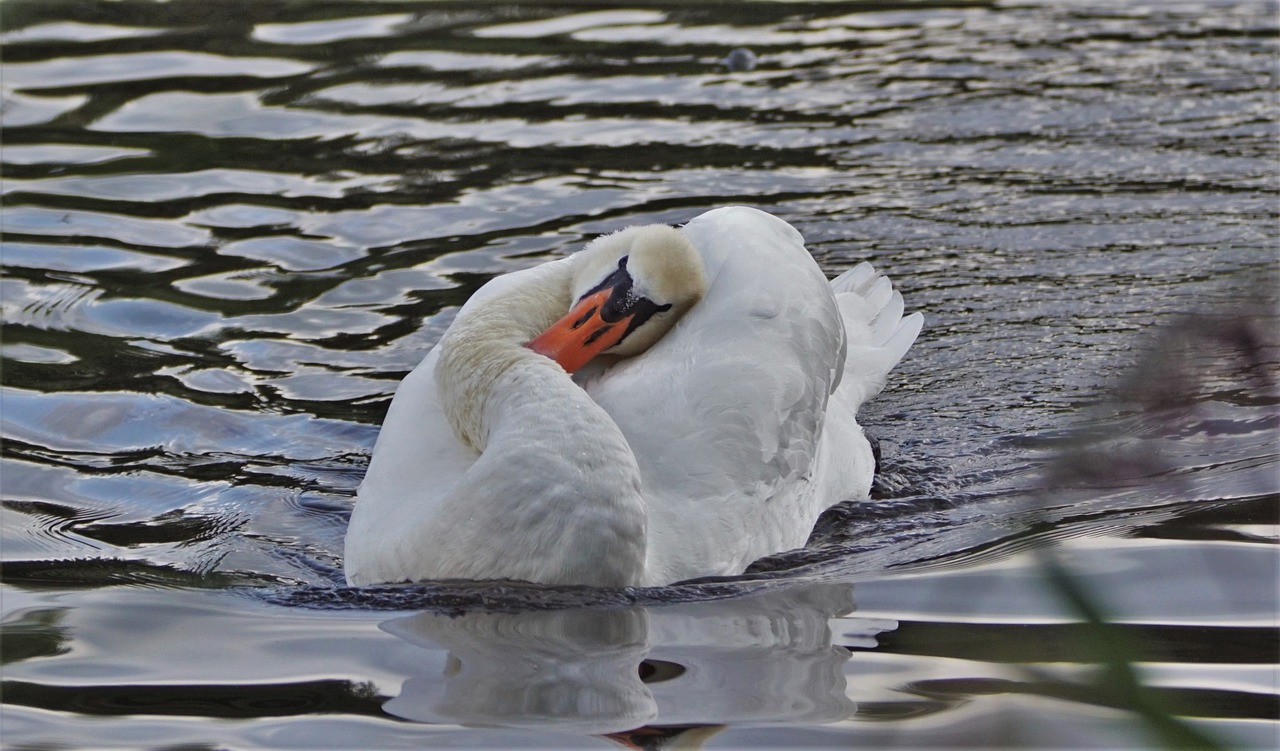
[667, 403]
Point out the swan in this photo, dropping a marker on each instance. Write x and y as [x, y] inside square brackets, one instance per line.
[662, 405]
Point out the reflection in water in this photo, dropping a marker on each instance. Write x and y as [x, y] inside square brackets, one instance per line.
[32, 633]
[766, 658]
[577, 670]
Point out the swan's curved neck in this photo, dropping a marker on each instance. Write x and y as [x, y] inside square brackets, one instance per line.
[486, 342]
[565, 473]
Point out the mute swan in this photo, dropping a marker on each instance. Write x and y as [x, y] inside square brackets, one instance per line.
[709, 420]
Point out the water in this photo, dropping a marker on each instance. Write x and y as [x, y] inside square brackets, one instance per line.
[230, 229]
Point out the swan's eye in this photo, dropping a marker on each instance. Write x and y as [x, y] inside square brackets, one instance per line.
[642, 310]
[619, 283]
[621, 303]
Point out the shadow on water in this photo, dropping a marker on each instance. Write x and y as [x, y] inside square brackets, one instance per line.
[230, 228]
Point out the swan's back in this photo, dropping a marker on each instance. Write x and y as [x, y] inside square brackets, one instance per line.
[724, 414]
[742, 417]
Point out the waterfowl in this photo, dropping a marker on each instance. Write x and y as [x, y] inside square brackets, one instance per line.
[664, 404]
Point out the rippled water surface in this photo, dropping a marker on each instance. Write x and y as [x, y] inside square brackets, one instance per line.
[230, 228]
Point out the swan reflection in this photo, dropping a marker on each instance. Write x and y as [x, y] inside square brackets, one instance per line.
[763, 658]
[572, 669]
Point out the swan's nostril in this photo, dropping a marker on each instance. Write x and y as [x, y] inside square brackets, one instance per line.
[584, 318]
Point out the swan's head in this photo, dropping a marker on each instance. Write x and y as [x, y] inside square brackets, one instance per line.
[629, 288]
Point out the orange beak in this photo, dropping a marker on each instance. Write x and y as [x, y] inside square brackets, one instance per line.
[582, 334]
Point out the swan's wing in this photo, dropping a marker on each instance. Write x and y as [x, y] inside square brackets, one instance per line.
[724, 413]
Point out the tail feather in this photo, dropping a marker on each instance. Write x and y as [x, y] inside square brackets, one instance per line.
[853, 279]
[877, 333]
[888, 319]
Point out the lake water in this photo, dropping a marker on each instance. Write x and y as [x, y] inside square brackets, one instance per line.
[230, 228]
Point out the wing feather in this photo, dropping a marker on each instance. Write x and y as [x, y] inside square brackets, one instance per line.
[724, 413]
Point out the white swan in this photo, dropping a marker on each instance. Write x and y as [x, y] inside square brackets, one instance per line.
[716, 424]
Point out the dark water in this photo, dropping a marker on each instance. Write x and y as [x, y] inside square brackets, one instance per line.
[230, 228]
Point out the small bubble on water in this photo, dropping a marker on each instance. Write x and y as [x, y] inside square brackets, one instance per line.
[740, 59]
